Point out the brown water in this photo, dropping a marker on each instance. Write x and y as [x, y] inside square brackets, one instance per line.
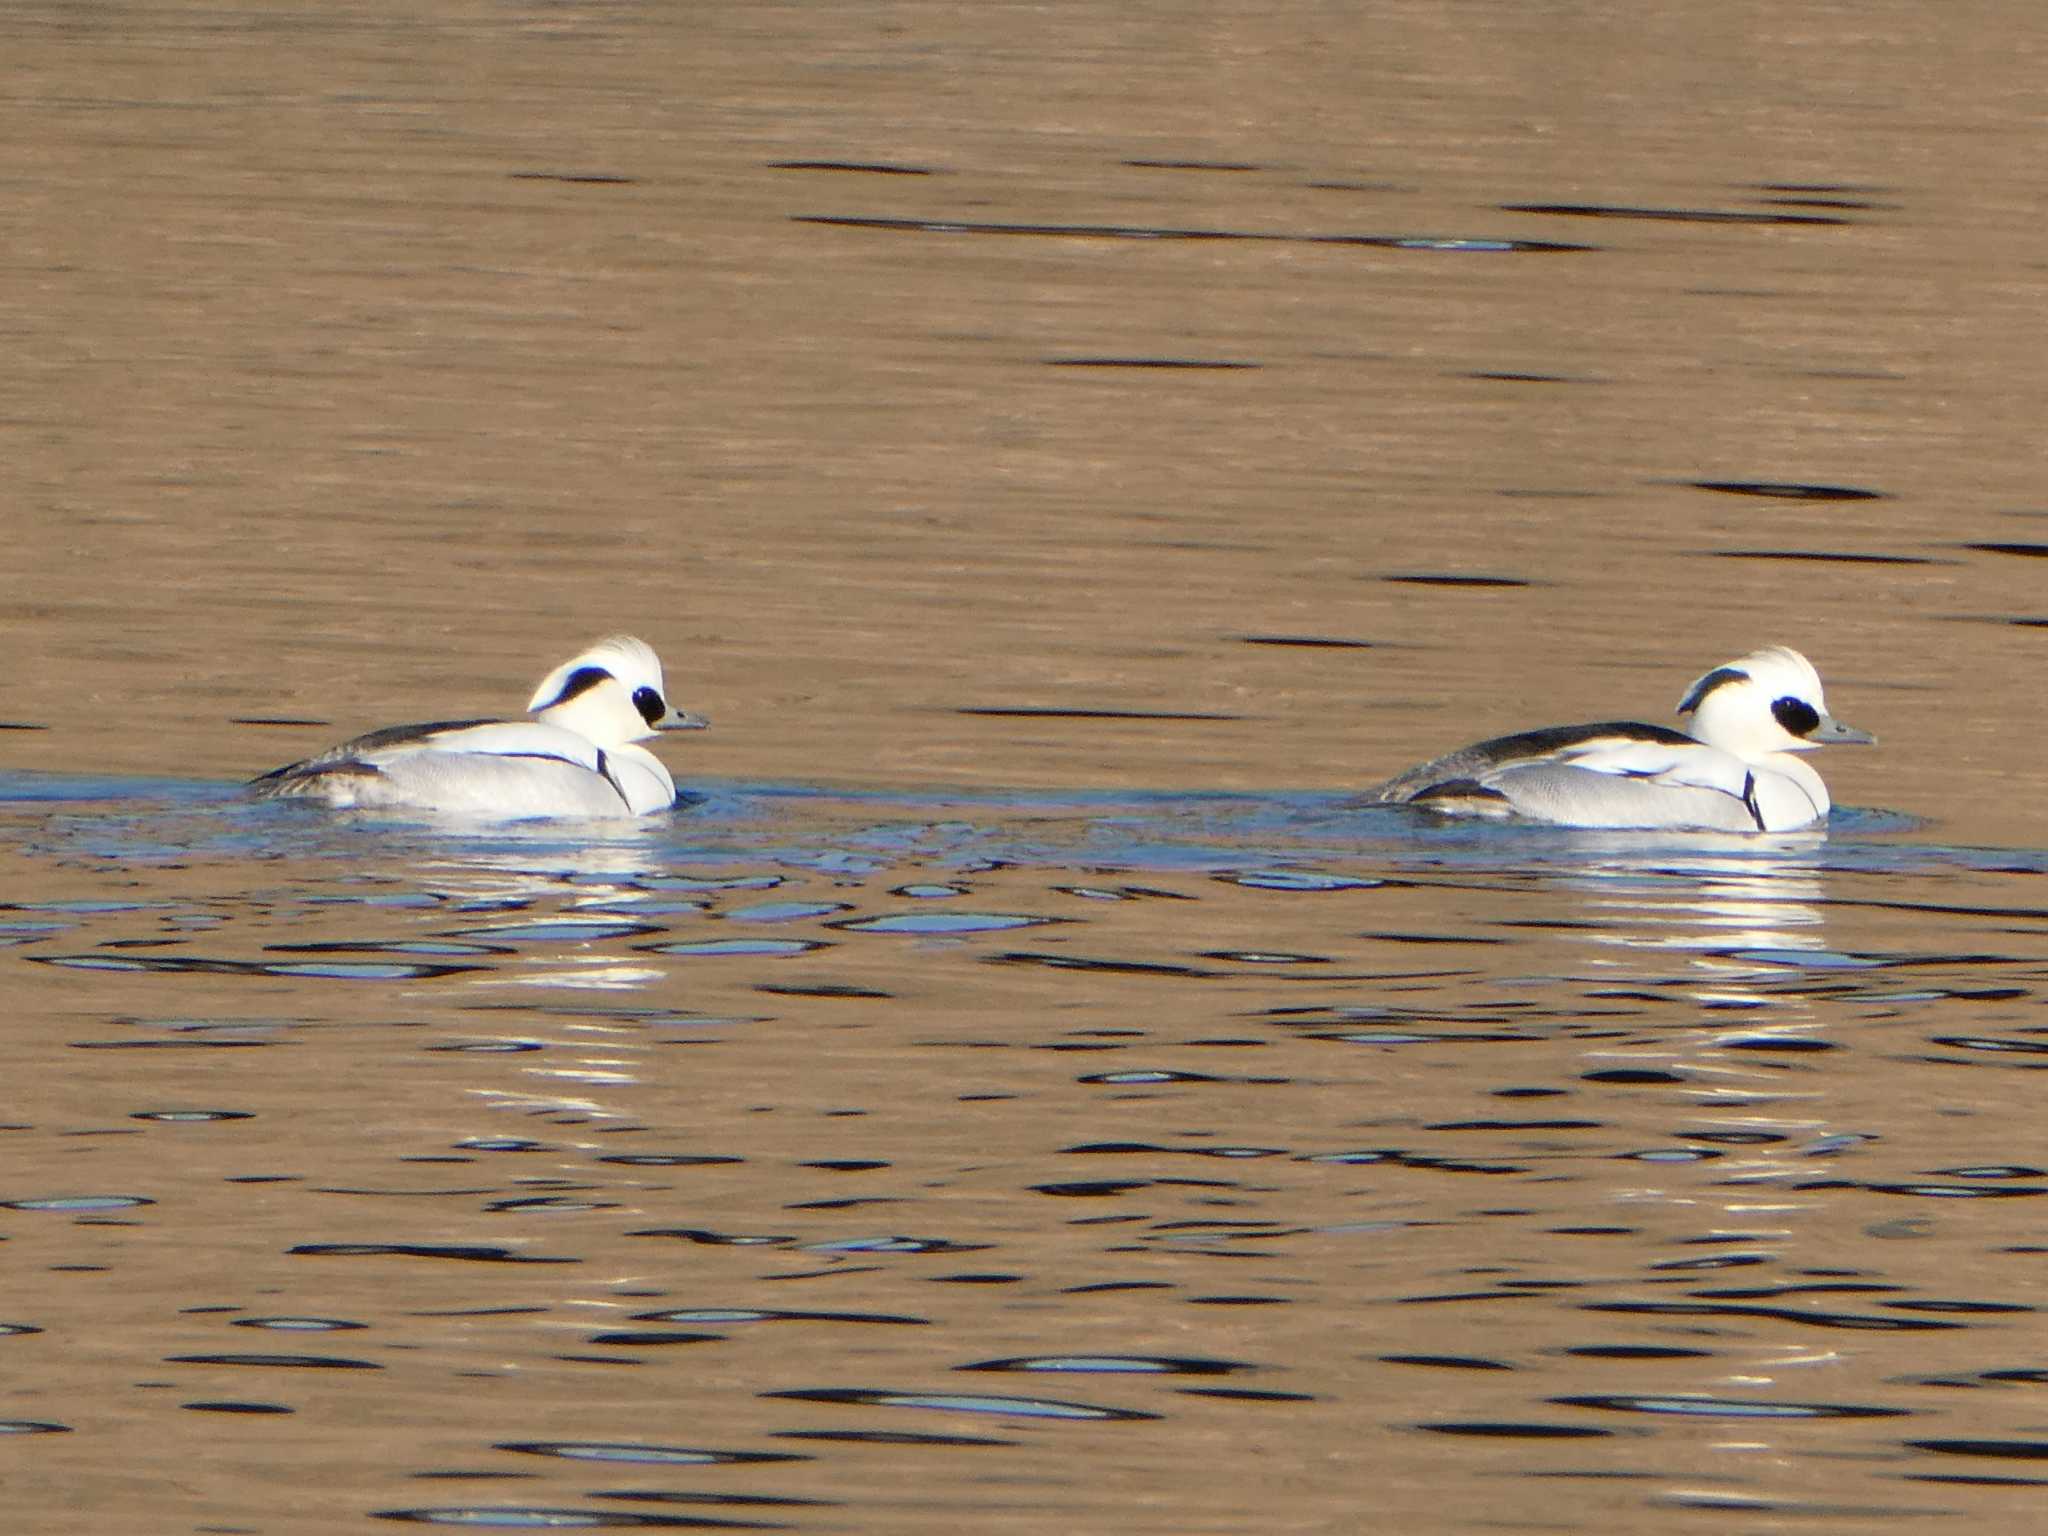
[1018, 1093]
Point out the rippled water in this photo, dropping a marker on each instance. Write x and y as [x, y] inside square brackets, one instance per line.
[1066, 451]
[819, 1161]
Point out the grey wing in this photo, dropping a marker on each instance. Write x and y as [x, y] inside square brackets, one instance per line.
[1451, 773]
[1456, 774]
[500, 769]
[356, 757]
[1590, 797]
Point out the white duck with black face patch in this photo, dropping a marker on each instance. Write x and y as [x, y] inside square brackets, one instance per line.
[1734, 768]
[576, 754]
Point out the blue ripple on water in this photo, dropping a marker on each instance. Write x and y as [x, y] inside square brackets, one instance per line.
[767, 949]
[928, 923]
[559, 928]
[648, 1455]
[331, 970]
[783, 911]
[964, 1402]
[1701, 1406]
[1114, 1365]
[732, 1315]
[512, 1518]
[1298, 880]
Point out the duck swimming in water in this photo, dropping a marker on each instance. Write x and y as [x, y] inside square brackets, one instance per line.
[575, 753]
[1734, 768]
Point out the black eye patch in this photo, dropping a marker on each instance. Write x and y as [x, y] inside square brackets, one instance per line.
[1796, 715]
[649, 703]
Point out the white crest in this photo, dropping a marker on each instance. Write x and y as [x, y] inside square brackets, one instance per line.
[629, 660]
[1768, 701]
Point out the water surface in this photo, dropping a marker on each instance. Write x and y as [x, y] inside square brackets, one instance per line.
[1066, 452]
[773, 1159]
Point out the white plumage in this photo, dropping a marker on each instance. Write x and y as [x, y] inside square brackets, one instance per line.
[575, 753]
[1733, 769]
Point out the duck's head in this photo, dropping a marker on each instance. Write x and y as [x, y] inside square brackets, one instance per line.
[610, 694]
[1768, 701]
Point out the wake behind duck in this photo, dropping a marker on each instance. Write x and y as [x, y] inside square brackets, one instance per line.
[1732, 769]
[575, 754]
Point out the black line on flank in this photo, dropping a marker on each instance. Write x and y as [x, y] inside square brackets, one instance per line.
[2036, 551]
[20, 725]
[1459, 581]
[270, 720]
